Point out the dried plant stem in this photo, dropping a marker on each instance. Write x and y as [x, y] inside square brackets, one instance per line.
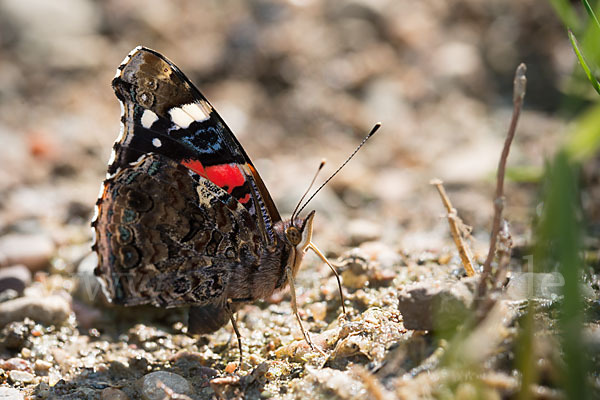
[454, 221]
[519, 85]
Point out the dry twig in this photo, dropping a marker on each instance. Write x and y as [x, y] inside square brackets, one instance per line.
[455, 222]
[519, 86]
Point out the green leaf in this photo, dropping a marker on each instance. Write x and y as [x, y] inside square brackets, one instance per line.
[583, 63]
[559, 242]
[590, 12]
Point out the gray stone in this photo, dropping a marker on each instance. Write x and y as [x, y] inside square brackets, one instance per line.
[435, 305]
[113, 394]
[7, 393]
[151, 389]
[50, 310]
[31, 250]
[15, 277]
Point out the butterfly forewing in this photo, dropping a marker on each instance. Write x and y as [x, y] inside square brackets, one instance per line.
[164, 113]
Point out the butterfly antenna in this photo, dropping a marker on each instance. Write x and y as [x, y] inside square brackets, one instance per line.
[308, 189]
[373, 130]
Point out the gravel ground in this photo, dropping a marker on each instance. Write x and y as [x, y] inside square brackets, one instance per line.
[297, 81]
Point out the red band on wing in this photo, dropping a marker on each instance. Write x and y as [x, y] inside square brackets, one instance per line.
[226, 176]
[195, 166]
[245, 199]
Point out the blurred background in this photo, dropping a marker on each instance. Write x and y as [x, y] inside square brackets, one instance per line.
[297, 81]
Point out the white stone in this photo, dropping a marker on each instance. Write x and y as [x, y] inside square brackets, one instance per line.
[151, 389]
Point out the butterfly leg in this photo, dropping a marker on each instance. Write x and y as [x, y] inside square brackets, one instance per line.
[295, 309]
[337, 276]
[236, 330]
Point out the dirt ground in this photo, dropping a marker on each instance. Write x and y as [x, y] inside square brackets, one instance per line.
[297, 81]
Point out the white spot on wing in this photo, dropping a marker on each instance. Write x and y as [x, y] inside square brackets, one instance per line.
[196, 111]
[148, 118]
[113, 157]
[101, 192]
[180, 117]
[156, 142]
[121, 125]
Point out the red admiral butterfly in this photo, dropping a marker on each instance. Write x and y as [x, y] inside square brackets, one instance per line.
[183, 217]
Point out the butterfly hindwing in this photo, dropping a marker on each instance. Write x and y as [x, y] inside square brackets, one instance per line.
[170, 238]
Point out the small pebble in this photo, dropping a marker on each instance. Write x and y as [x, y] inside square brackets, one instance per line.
[16, 335]
[8, 294]
[42, 366]
[50, 310]
[42, 391]
[15, 363]
[16, 376]
[231, 367]
[113, 394]
[33, 251]
[15, 277]
[150, 346]
[152, 391]
[7, 393]
[318, 310]
[424, 303]
[362, 230]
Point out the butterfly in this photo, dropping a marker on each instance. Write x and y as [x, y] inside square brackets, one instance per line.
[183, 217]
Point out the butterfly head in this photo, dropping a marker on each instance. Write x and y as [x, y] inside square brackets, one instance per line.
[296, 234]
[299, 233]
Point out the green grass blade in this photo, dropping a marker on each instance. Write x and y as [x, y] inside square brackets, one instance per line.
[590, 12]
[561, 227]
[583, 63]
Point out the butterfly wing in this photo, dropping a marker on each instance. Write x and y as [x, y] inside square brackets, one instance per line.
[164, 113]
[169, 238]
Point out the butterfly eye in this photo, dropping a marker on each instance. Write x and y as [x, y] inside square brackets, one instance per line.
[293, 235]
